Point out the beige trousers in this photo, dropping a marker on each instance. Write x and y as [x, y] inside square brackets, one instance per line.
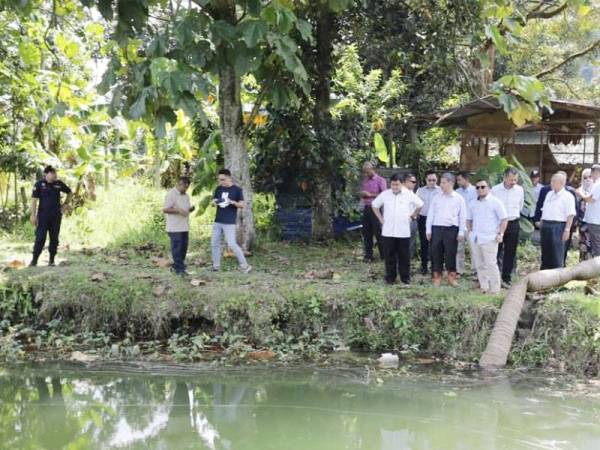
[484, 257]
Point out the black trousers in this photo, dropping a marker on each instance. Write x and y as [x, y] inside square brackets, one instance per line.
[424, 243]
[553, 247]
[443, 248]
[179, 247]
[507, 250]
[371, 226]
[397, 258]
[48, 224]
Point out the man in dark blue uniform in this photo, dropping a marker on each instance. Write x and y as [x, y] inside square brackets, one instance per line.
[47, 215]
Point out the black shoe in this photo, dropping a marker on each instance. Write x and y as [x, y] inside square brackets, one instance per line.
[51, 264]
[368, 259]
[423, 271]
[406, 282]
[389, 282]
[33, 263]
[182, 274]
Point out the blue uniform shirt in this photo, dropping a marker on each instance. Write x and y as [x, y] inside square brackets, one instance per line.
[49, 196]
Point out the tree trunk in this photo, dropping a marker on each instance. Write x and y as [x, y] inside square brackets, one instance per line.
[322, 196]
[230, 116]
[498, 347]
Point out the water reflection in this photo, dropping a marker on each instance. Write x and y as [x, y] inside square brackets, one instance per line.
[54, 409]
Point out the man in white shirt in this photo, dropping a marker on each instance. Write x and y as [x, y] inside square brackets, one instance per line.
[486, 222]
[469, 193]
[446, 225]
[592, 211]
[557, 218]
[512, 197]
[535, 193]
[400, 206]
[410, 183]
[426, 193]
[177, 209]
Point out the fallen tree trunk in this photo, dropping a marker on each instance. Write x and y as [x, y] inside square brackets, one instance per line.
[498, 346]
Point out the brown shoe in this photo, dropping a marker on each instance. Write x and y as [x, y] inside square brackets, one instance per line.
[437, 279]
[452, 279]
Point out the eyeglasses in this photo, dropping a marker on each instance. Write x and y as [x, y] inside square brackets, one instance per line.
[586, 178]
[480, 187]
[412, 181]
[431, 180]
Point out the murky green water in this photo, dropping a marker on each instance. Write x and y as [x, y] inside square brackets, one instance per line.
[175, 408]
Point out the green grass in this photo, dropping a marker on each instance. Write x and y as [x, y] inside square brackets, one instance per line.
[109, 291]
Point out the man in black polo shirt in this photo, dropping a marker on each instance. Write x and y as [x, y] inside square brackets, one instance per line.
[47, 215]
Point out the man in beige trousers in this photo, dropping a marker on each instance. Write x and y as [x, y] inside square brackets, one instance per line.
[486, 222]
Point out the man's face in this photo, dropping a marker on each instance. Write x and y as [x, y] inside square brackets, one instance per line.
[556, 183]
[511, 179]
[535, 180]
[368, 172]
[461, 181]
[595, 174]
[482, 189]
[431, 180]
[51, 177]
[396, 186]
[446, 186]
[410, 183]
[224, 180]
[182, 186]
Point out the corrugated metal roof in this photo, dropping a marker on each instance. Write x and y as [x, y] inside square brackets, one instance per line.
[489, 104]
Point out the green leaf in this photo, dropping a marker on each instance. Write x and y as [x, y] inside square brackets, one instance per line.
[188, 103]
[138, 108]
[380, 148]
[164, 115]
[305, 29]
[30, 54]
[253, 31]
[223, 31]
[493, 33]
[105, 8]
[83, 154]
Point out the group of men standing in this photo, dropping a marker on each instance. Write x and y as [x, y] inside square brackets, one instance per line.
[484, 217]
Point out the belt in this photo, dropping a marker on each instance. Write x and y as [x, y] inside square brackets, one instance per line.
[553, 222]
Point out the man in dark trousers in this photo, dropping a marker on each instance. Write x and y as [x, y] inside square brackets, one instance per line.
[177, 208]
[46, 216]
[372, 185]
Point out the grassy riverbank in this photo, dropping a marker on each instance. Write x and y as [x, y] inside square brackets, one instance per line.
[114, 300]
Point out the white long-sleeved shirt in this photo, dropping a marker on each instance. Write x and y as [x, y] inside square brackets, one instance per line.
[486, 214]
[426, 194]
[469, 193]
[558, 206]
[513, 199]
[397, 211]
[447, 210]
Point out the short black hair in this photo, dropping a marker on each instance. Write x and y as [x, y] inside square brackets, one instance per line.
[396, 177]
[479, 180]
[225, 172]
[408, 176]
[49, 169]
[185, 180]
[464, 173]
[511, 171]
[430, 172]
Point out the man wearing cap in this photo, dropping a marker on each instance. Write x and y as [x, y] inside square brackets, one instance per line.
[47, 215]
[426, 193]
[372, 185]
[557, 218]
[535, 194]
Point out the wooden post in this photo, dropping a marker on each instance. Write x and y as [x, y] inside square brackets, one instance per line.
[541, 168]
[596, 141]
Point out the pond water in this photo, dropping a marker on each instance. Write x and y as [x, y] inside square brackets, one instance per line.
[175, 407]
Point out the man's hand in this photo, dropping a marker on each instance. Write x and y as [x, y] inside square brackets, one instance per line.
[499, 238]
[428, 235]
[192, 208]
[460, 238]
[34, 220]
[566, 235]
[182, 212]
[64, 208]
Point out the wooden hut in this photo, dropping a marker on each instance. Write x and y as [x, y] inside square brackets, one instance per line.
[566, 138]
